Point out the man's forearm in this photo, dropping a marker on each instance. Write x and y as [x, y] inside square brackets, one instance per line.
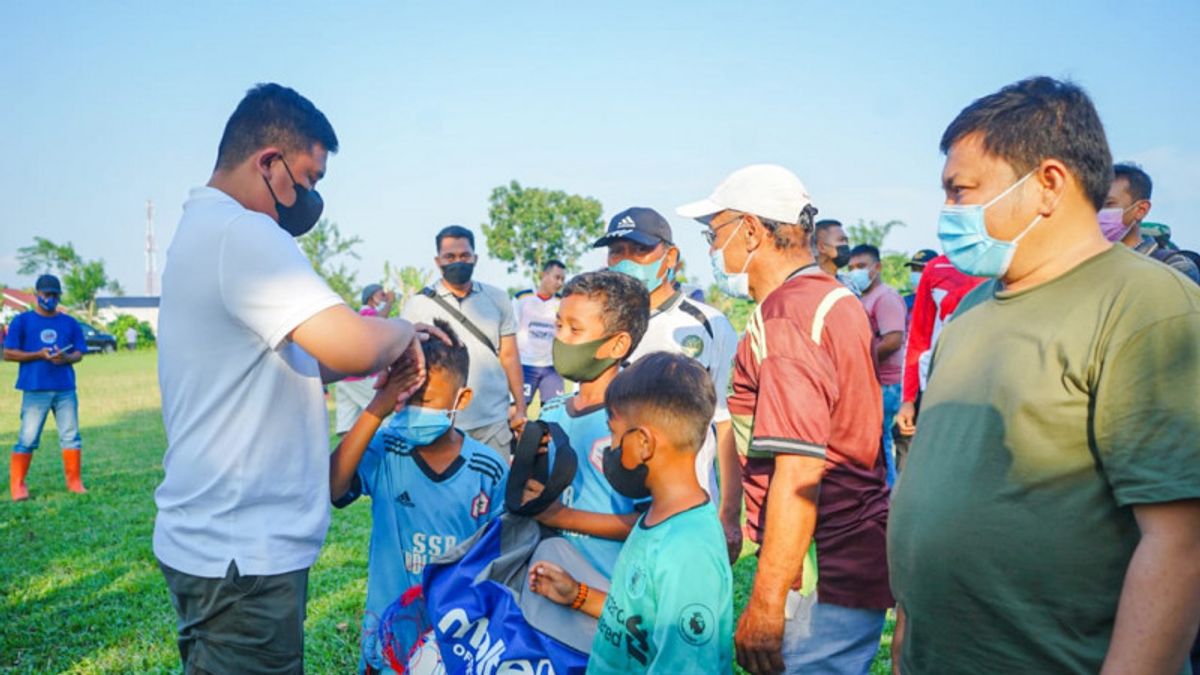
[1159, 609]
[729, 471]
[791, 521]
[18, 356]
[890, 344]
[510, 359]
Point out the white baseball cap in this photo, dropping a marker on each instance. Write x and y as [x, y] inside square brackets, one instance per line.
[765, 190]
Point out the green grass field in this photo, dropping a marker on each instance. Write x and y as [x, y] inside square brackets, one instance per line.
[80, 591]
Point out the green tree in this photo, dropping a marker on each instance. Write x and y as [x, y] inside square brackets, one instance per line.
[405, 281]
[895, 274]
[83, 282]
[326, 249]
[46, 257]
[737, 310]
[529, 226]
[119, 325]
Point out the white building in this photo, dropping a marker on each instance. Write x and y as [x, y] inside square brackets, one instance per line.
[143, 308]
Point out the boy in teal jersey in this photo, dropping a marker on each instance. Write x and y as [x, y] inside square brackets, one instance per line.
[431, 486]
[670, 608]
[601, 319]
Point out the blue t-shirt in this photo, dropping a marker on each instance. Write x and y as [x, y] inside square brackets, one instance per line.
[670, 608]
[32, 332]
[590, 491]
[418, 515]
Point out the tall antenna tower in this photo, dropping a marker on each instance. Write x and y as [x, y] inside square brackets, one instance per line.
[150, 273]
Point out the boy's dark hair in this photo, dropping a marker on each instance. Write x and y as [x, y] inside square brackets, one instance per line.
[1140, 185]
[554, 263]
[272, 114]
[670, 392]
[454, 232]
[866, 249]
[626, 303]
[1038, 118]
[454, 359]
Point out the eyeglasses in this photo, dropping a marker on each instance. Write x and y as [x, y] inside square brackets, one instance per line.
[710, 234]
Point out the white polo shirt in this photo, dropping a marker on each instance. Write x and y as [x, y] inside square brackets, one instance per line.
[685, 326]
[247, 461]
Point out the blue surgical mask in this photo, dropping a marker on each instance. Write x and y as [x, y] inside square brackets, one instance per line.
[914, 278]
[966, 241]
[48, 304]
[646, 273]
[421, 426]
[859, 280]
[735, 284]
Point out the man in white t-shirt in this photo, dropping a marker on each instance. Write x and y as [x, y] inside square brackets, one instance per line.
[536, 310]
[640, 244]
[247, 334]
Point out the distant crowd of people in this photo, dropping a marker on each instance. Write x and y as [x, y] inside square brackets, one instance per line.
[1006, 456]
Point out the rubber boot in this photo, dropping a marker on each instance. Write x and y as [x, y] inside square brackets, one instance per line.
[71, 467]
[18, 467]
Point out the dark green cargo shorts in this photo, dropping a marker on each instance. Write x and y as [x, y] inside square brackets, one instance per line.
[240, 624]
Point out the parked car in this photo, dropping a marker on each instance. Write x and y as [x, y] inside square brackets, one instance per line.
[97, 340]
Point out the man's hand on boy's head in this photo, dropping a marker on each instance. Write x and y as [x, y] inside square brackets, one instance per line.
[553, 582]
[425, 331]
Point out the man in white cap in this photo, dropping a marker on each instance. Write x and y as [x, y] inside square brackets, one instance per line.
[806, 412]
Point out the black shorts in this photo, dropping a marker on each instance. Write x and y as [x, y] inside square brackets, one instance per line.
[239, 623]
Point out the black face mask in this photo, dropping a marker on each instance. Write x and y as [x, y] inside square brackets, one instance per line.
[303, 214]
[458, 273]
[843, 256]
[628, 482]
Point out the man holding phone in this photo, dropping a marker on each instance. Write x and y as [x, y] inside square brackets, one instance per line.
[47, 343]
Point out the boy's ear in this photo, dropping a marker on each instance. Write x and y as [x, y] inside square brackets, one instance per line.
[618, 346]
[464, 398]
[649, 444]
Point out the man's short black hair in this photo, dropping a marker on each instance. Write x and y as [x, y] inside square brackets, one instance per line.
[626, 303]
[1140, 185]
[827, 223]
[272, 114]
[866, 249]
[671, 393]
[454, 232]
[1039, 118]
[550, 264]
[453, 359]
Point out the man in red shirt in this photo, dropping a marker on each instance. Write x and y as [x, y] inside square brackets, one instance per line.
[806, 413]
[941, 288]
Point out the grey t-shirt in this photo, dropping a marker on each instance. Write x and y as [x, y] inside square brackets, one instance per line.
[490, 310]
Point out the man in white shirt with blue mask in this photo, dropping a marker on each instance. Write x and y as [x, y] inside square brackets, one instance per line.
[641, 245]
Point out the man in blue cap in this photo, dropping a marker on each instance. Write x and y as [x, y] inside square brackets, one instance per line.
[47, 343]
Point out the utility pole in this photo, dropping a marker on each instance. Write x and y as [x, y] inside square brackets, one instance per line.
[150, 272]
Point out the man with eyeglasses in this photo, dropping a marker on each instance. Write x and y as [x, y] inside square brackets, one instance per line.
[483, 317]
[806, 415]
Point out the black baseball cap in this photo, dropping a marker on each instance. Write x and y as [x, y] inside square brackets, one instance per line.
[638, 224]
[922, 257]
[48, 283]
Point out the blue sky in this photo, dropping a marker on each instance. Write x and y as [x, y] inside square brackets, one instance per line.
[108, 104]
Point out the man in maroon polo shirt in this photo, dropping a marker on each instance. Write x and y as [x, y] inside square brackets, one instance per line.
[806, 411]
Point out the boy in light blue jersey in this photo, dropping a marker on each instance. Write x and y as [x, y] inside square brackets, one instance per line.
[431, 486]
[670, 607]
[601, 319]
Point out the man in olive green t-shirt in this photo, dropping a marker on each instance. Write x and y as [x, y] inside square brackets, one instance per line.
[1048, 518]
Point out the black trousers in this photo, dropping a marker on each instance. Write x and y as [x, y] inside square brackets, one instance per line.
[239, 623]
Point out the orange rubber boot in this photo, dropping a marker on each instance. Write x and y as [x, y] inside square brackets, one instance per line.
[72, 468]
[18, 467]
